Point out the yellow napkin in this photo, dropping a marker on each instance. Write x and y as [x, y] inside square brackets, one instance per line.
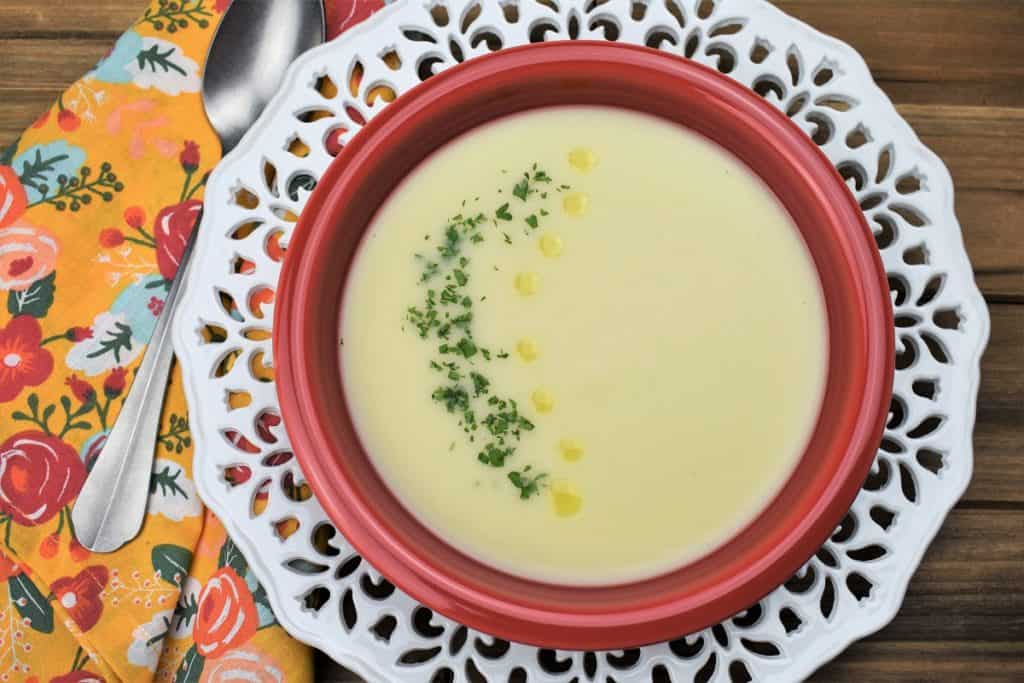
[97, 198]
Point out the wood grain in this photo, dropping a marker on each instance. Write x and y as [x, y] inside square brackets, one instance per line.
[955, 69]
[998, 435]
[102, 19]
[947, 41]
[957, 594]
[876, 661]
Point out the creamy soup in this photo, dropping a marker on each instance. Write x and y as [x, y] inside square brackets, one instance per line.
[583, 345]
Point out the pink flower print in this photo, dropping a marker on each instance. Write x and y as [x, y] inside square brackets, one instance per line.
[137, 117]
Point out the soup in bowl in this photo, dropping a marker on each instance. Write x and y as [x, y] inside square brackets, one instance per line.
[583, 345]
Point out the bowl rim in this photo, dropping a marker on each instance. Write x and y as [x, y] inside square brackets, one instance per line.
[461, 588]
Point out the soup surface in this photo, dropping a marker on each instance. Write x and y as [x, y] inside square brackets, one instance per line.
[583, 345]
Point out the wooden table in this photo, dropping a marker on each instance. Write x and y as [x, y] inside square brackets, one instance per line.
[955, 68]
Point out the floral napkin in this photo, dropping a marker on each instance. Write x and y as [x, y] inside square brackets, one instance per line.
[97, 199]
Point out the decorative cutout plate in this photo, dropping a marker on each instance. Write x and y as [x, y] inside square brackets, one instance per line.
[319, 587]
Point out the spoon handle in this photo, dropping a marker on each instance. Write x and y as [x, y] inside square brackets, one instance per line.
[112, 504]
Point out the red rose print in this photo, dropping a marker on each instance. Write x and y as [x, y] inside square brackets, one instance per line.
[39, 475]
[27, 253]
[8, 567]
[20, 266]
[227, 614]
[68, 120]
[77, 334]
[80, 595]
[241, 665]
[221, 5]
[82, 390]
[135, 216]
[172, 228]
[49, 546]
[78, 552]
[23, 362]
[155, 306]
[113, 385]
[79, 677]
[111, 237]
[189, 157]
[12, 196]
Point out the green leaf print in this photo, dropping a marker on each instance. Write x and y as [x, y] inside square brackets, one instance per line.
[173, 562]
[31, 603]
[77, 190]
[191, 667]
[116, 341]
[231, 556]
[7, 153]
[172, 17]
[155, 60]
[176, 438]
[35, 300]
[167, 483]
[36, 171]
[185, 611]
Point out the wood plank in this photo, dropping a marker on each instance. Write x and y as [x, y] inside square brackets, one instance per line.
[101, 18]
[45, 67]
[967, 588]
[18, 113]
[1007, 92]
[998, 437]
[991, 224]
[925, 40]
[910, 662]
[981, 145]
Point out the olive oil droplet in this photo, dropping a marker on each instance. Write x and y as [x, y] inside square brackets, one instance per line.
[543, 401]
[527, 350]
[582, 159]
[571, 449]
[566, 500]
[527, 283]
[575, 204]
[551, 245]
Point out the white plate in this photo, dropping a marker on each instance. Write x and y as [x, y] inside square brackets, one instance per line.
[856, 582]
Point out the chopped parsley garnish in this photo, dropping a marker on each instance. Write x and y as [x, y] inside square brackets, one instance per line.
[453, 397]
[466, 347]
[446, 315]
[480, 384]
[527, 484]
[522, 189]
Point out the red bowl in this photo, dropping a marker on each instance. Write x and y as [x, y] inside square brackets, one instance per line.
[757, 559]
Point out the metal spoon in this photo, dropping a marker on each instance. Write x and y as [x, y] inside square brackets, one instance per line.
[253, 46]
